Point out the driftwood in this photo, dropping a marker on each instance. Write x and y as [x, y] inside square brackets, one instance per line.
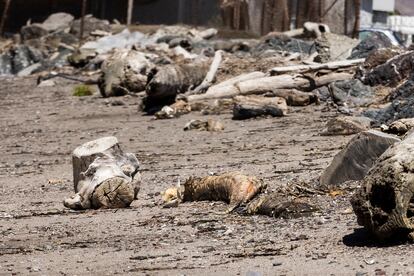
[295, 97]
[233, 188]
[166, 82]
[211, 75]
[255, 106]
[384, 204]
[103, 175]
[269, 84]
[391, 72]
[334, 65]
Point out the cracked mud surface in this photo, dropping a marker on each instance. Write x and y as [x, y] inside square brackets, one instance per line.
[41, 126]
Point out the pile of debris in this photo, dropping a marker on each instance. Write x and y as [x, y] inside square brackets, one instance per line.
[177, 70]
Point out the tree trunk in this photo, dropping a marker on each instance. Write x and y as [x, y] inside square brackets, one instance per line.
[103, 175]
[256, 106]
[269, 84]
[384, 203]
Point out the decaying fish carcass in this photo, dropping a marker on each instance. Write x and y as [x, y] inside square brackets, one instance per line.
[234, 188]
[384, 204]
[104, 176]
[276, 205]
[238, 190]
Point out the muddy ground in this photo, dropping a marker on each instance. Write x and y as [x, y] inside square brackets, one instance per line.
[41, 126]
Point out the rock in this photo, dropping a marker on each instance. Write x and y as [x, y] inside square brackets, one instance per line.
[351, 92]
[6, 66]
[402, 101]
[346, 125]
[380, 56]
[340, 46]
[58, 21]
[55, 39]
[47, 83]
[358, 156]
[22, 58]
[322, 47]
[383, 204]
[81, 57]
[173, 111]
[122, 40]
[401, 126]
[284, 43]
[125, 71]
[209, 125]
[246, 107]
[33, 31]
[375, 41]
[91, 24]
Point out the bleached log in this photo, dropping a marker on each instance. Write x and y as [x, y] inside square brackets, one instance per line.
[334, 65]
[232, 81]
[269, 84]
[255, 106]
[211, 74]
[103, 175]
[166, 82]
[295, 97]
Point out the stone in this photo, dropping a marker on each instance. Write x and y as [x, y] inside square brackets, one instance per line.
[91, 24]
[346, 125]
[358, 156]
[33, 31]
[209, 125]
[401, 126]
[58, 21]
[351, 92]
[6, 67]
[375, 41]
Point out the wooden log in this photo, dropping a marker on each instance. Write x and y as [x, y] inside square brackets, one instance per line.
[295, 97]
[269, 84]
[255, 106]
[166, 82]
[211, 74]
[334, 65]
[101, 168]
[240, 78]
[383, 205]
